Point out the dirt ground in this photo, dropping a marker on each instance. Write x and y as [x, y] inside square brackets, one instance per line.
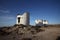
[50, 33]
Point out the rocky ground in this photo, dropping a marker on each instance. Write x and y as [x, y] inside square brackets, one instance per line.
[29, 33]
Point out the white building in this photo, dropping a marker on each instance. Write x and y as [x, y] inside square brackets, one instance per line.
[23, 19]
[41, 22]
[45, 22]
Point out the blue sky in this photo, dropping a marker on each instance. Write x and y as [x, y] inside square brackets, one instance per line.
[38, 9]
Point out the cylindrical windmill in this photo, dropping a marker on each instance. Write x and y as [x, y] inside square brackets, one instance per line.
[23, 19]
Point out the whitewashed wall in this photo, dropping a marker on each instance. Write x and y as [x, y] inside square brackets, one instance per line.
[24, 19]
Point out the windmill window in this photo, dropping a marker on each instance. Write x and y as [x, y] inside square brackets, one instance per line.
[18, 19]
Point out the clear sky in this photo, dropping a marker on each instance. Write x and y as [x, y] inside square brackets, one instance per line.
[38, 9]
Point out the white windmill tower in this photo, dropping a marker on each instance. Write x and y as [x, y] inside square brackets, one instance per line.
[23, 19]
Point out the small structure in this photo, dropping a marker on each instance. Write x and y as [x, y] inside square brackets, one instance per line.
[23, 19]
[45, 22]
[41, 22]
